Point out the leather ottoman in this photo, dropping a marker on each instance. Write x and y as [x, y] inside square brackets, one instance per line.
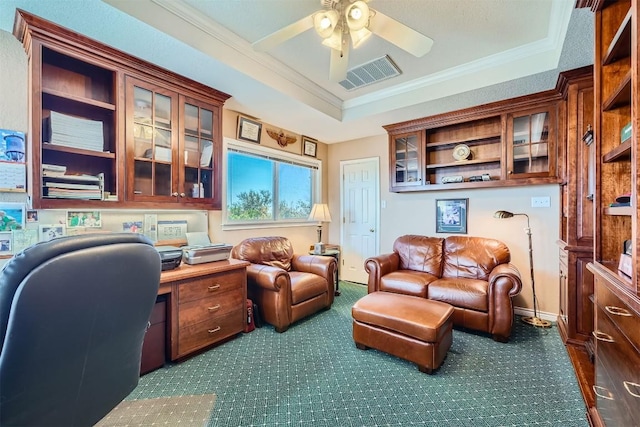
[411, 328]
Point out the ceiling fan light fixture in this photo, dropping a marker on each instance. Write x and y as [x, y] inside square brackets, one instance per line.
[359, 36]
[335, 40]
[325, 22]
[357, 15]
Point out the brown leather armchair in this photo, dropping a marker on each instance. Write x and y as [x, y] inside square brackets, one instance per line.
[285, 286]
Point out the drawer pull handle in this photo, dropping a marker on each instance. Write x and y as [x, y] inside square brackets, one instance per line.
[213, 287]
[628, 385]
[601, 336]
[214, 330]
[617, 311]
[608, 396]
[214, 308]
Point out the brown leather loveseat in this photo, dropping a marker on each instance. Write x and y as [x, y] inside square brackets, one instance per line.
[473, 274]
[286, 286]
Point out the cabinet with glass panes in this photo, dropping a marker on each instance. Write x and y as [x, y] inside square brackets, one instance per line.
[109, 130]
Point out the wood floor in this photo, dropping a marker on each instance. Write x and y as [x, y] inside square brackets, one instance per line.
[585, 373]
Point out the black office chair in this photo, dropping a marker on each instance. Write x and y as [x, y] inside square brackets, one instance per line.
[73, 314]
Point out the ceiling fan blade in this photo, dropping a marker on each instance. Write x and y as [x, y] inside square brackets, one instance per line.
[283, 34]
[339, 64]
[399, 34]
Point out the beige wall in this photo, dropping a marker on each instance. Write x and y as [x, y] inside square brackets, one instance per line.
[404, 213]
[414, 213]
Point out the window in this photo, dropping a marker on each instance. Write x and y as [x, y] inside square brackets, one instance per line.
[266, 186]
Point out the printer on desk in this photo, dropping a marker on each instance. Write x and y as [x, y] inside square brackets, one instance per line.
[171, 256]
[199, 249]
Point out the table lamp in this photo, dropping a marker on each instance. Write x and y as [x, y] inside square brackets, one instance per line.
[531, 320]
[320, 213]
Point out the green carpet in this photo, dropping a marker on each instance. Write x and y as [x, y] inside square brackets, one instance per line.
[312, 375]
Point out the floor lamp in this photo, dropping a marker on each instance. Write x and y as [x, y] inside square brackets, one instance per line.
[320, 213]
[535, 320]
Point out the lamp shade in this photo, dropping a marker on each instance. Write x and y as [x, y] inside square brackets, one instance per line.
[320, 213]
[325, 22]
[357, 15]
[503, 214]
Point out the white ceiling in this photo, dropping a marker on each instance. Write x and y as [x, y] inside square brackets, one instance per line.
[477, 43]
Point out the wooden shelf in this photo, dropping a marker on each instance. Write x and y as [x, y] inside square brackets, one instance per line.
[79, 151]
[621, 95]
[621, 152]
[463, 163]
[79, 99]
[620, 46]
[618, 210]
[469, 141]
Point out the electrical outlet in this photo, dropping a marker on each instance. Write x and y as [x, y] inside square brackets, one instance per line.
[540, 202]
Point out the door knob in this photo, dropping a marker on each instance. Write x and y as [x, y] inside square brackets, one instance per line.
[371, 230]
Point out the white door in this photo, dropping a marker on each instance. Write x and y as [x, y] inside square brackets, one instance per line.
[359, 211]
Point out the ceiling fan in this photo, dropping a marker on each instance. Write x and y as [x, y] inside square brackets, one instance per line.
[346, 23]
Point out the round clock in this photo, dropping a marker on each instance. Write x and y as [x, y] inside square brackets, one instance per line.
[461, 152]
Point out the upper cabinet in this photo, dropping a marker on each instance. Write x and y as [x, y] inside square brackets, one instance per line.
[110, 130]
[510, 142]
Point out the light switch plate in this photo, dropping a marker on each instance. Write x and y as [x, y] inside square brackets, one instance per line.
[540, 202]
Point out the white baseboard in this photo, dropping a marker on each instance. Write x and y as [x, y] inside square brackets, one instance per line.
[551, 317]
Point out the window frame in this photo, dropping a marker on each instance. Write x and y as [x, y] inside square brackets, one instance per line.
[285, 156]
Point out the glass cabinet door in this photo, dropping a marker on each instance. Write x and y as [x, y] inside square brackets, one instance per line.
[197, 168]
[531, 143]
[152, 121]
[406, 157]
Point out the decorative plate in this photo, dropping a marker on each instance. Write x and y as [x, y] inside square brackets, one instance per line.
[461, 152]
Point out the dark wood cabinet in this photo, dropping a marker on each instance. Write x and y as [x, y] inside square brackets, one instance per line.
[616, 287]
[575, 319]
[109, 130]
[511, 142]
[208, 305]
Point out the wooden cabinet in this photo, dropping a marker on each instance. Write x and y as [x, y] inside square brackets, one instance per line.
[208, 305]
[109, 130]
[575, 318]
[617, 344]
[617, 333]
[511, 142]
[406, 150]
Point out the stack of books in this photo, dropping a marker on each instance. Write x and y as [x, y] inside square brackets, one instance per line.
[56, 184]
[75, 132]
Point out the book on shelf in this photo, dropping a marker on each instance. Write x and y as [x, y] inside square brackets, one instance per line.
[85, 187]
[74, 132]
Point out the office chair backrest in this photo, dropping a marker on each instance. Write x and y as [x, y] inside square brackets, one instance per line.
[73, 314]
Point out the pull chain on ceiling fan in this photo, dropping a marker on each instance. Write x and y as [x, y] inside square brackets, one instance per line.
[346, 23]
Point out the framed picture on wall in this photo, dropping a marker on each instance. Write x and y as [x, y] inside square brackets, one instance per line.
[249, 130]
[309, 146]
[451, 216]
[51, 231]
[12, 216]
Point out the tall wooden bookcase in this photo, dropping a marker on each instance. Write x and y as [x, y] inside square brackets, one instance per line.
[616, 265]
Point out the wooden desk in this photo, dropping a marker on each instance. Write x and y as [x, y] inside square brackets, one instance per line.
[206, 304]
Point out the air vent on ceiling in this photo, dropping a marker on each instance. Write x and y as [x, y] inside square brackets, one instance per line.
[371, 72]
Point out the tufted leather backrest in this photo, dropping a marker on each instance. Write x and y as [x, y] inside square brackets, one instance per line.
[419, 253]
[272, 250]
[473, 257]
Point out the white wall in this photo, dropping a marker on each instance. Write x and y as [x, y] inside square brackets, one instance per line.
[414, 213]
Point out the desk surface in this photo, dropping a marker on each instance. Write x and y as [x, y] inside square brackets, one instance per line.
[186, 271]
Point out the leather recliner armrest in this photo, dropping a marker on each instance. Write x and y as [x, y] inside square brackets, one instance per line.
[266, 276]
[378, 266]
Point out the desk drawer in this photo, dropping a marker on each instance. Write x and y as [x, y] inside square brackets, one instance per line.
[210, 307]
[200, 335]
[620, 314]
[214, 284]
